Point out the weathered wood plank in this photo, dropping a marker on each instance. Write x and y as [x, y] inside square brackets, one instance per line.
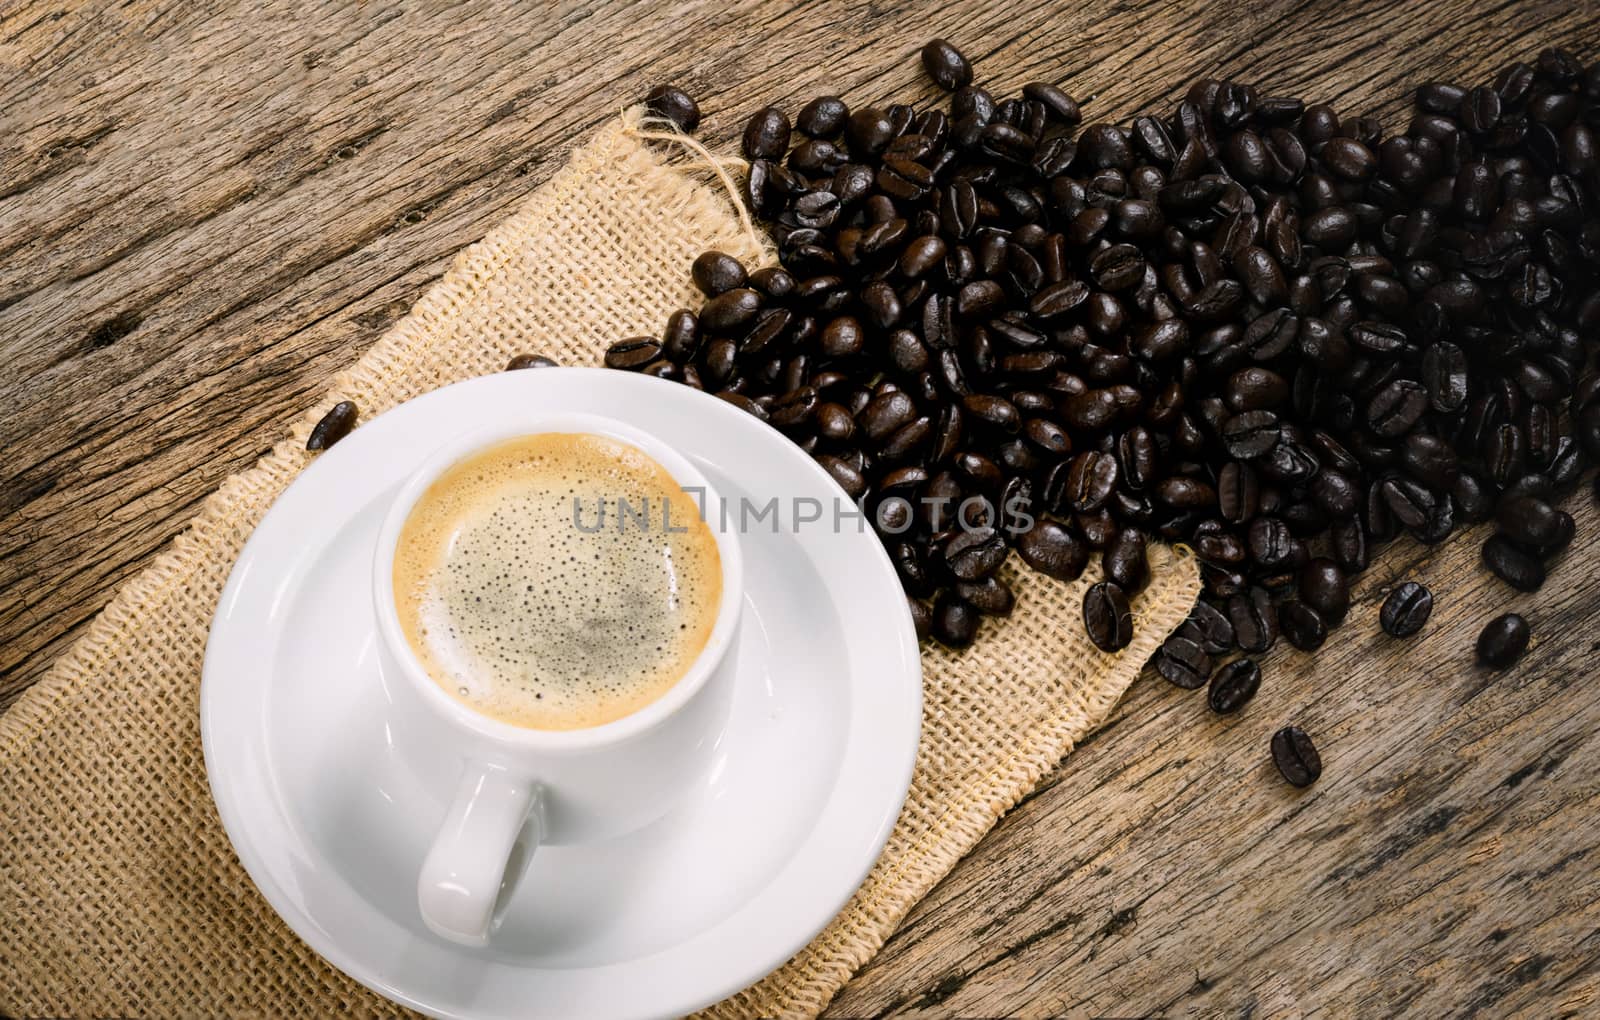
[206, 210]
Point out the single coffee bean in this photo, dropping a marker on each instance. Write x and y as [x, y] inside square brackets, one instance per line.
[1301, 625]
[1324, 588]
[955, 623]
[1107, 617]
[946, 66]
[730, 310]
[523, 361]
[632, 354]
[1532, 524]
[1124, 560]
[1296, 756]
[1503, 640]
[1209, 627]
[1054, 550]
[1233, 686]
[921, 617]
[1183, 663]
[333, 426]
[1510, 564]
[990, 596]
[766, 136]
[1255, 623]
[823, 117]
[1405, 610]
[675, 105]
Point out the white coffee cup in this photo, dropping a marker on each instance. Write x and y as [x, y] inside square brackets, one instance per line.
[519, 787]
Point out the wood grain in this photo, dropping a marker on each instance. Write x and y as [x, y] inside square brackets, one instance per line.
[206, 210]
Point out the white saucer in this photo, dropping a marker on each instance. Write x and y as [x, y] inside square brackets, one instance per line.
[331, 821]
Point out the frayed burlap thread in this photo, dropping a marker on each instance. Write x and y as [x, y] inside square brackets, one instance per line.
[119, 893]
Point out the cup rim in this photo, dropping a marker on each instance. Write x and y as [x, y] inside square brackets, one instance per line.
[523, 738]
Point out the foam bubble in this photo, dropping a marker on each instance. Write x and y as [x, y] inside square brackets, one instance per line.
[533, 615]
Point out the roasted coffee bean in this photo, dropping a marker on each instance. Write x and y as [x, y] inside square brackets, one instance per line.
[675, 105]
[1183, 663]
[1255, 623]
[1296, 756]
[1533, 525]
[955, 622]
[1210, 628]
[1406, 609]
[1124, 560]
[1522, 571]
[1301, 625]
[990, 596]
[1251, 434]
[766, 135]
[730, 310]
[823, 117]
[522, 361]
[946, 66]
[333, 426]
[632, 354]
[1107, 617]
[921, 617]
[1233, 686]
[1053, 549]
[1324, 588]
[1090, 480]
[1238, 492]
[974, 555]
[1503, 640]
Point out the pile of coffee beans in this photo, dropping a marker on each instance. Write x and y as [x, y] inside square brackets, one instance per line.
[1249, 324]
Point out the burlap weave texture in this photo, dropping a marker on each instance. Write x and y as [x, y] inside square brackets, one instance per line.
[119, 893]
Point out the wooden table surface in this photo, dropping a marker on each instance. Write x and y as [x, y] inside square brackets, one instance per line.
[206, 210]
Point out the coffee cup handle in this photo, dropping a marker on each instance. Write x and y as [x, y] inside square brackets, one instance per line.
[481, 852]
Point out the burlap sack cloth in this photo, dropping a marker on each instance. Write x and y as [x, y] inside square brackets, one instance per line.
[119, 893]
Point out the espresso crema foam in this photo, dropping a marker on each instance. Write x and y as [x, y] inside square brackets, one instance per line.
[525, 603]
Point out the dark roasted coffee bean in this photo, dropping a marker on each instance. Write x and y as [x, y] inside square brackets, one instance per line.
[675, 105]
[974, 555]
[955, 622]
[730, 310]
[1063, 109]
[1349, 543]
[1406, 609]
[1183, 663]
[1255, 623]
[1534, 525]
[1522, 571]
[523, 361]
[1124, 560]
[1296, 756]
[1211, 628]
[766, 135]
[1090, 480]
[1503, 640]
[1301, 625]
[1324, 588]
[632, 354]
[946, 66]
[990, 596]
[333, 426]
[1107, 617]
[1238, 492]
[1250, 434]
[921, 617]
[1233, 686]
[1054, 550]
[823, 117]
